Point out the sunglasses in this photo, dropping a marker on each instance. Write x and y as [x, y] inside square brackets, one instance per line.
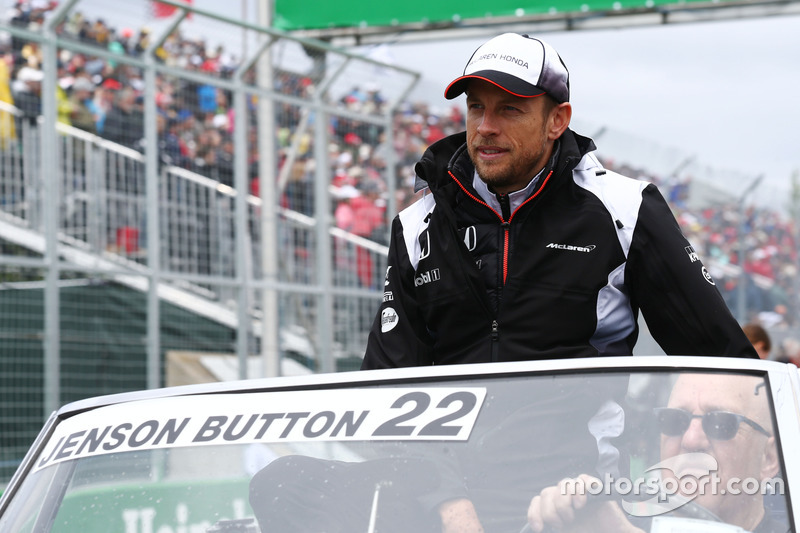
[717, 425]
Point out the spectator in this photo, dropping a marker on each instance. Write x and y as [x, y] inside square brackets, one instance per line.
[103, 101]
[789, 351]
[369, 215]
[124, 123]
[759, 338]
[27, 92]
[7, 127]
[63, 103]
[225, 163]
[344, 214]
[81, 103]
[169, 145]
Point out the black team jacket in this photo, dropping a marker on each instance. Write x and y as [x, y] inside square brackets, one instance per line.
[564, 275]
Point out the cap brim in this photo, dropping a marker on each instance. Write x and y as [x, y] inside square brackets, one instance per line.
[507, 82]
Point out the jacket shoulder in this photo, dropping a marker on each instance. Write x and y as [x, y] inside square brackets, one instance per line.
[620, 195]
[414, 220]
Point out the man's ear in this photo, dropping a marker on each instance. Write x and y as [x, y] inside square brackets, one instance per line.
[560, 117]
[770, 463]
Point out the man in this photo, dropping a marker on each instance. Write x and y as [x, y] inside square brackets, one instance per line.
[759, 338]
[81, 100]
[725, 417]
[124, 123]
[525, 247]
[27, 92]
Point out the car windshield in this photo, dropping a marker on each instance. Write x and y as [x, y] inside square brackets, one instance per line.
[387, 457]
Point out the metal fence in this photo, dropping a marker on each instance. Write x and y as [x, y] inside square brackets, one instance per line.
[166, 199]
[161, 192]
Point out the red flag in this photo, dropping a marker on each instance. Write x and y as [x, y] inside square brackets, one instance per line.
[161, 10]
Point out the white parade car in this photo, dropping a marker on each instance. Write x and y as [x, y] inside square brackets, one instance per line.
[652, 444]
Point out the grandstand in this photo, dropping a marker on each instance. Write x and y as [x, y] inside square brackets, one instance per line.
[174, 209]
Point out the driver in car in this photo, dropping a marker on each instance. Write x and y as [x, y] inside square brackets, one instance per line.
[725, 417]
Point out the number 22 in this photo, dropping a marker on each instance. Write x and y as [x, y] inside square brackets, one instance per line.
[422, 401]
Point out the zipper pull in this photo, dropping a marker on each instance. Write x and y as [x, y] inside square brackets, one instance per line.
[495, 330]
[505, 206]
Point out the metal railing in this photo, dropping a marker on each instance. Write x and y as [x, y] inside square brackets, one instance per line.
[103, 214]
[252, 245]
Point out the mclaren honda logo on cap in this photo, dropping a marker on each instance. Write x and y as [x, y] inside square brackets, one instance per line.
[522, 65]
[502, 57]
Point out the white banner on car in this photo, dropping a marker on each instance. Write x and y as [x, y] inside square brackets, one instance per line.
[420, 413]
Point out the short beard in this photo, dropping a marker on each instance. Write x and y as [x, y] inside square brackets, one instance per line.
[509, 180]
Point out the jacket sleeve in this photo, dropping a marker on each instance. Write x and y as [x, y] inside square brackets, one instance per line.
[398, 337]
[682, 306]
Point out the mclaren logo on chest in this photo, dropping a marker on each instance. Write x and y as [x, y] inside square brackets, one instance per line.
[585, 249]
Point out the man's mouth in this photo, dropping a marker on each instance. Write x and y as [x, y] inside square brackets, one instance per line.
[490, 152]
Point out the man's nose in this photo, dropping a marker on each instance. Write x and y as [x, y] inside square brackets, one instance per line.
[488, 124]
[695, 437]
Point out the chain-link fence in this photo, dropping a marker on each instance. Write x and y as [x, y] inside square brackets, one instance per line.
[190, 184]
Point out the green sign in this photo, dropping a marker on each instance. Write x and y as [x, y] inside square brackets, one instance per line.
[294, 15]
[168, 507]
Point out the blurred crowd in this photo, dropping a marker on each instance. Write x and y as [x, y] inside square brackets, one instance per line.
[195, 127]
[725, 235]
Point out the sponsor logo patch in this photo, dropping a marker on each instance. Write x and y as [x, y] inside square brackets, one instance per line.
[424, 245]
[388, 296]
[389, 319]
[585, 249]
[471, 238]
[707, 275]
[427, 277]
[692, 254]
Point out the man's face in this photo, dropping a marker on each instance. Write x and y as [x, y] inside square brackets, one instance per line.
[507, 136]
[749, 454]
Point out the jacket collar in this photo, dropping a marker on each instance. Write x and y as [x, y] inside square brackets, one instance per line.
[450, 155]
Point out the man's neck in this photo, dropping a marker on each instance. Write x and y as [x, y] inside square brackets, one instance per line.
[515, 198]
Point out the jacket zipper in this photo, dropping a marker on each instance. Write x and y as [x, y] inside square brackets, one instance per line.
[495, 329]
[495, 340]
[506, 224]
[505, 211]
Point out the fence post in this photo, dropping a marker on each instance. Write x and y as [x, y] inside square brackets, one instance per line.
[50, 182]
[270, 344]
[152, 225]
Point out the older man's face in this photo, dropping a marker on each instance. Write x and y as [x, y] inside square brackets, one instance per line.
[748, 454]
